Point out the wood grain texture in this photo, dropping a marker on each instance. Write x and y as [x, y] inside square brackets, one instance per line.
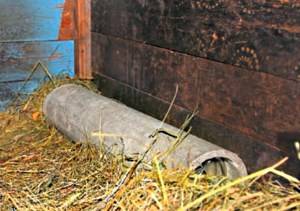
[18, 58]
[9, 91]
[257, 104]
[255, 154]
[83, 39]
[258, 35]
[28, 33]
[67, 29]
[28, 20]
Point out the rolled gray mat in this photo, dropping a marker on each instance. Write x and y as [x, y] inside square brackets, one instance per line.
[85, 116]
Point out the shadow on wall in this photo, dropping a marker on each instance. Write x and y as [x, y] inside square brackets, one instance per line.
[290, 139]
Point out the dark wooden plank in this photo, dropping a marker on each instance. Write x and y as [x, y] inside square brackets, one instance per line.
[18, 58]
[259, 105]
[258, 35]
[27, 20]
[254, 153]
[153, 71]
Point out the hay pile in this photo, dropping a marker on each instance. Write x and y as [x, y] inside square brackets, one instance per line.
[41, 170]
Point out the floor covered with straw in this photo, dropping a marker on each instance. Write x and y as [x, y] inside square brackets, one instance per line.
[40, 169]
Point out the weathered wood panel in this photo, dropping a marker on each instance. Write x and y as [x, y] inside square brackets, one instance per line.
[254, 153]
[10, 91]
[28, 33]
[257, 35]
[18, 58]
[67, 26]
[259, 105]
[28, 20]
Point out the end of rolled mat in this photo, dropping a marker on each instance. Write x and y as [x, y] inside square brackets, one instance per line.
[220, 163]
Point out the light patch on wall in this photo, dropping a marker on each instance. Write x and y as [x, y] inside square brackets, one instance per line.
[297, 146]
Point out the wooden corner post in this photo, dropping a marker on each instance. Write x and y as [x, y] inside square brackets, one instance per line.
[83, 61]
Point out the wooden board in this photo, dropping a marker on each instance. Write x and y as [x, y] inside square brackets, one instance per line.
[11, 91]
[28, 20]
[259, 105]
[18, 58]
[29, 33]
[68, 26]
[258, 35]
[83, 39]
[255, 154]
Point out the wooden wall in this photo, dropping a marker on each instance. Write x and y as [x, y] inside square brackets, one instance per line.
[237, 62]
[32, 31]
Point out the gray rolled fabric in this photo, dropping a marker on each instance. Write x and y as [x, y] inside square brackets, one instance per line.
[85, 116]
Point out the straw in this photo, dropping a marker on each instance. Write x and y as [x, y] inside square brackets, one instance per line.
[40, 169]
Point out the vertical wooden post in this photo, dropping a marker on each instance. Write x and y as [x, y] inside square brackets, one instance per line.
[83, 39]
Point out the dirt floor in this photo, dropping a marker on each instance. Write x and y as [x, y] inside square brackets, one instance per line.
[40, 169]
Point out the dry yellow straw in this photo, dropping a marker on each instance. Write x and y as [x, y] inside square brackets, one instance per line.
[235, 182]
[161, 182]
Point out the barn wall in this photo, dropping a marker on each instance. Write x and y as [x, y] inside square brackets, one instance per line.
[32, 31]
[237, 62]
